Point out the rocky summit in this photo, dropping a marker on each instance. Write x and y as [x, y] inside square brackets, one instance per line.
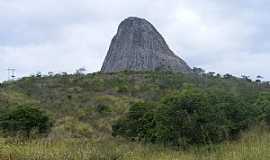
[138, 46]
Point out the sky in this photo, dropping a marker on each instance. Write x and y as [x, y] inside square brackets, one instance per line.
[224, 36]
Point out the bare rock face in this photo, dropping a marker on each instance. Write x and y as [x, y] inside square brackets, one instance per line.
[138, 46]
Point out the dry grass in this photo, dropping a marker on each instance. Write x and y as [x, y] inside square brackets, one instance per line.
[253, 145]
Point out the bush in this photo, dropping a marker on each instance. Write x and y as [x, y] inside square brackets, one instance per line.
[122, 89]
[193, 116]
[193, 119]
[102, 108]
[263, 102]
[241, 114]
[137, 123]
[23, 120]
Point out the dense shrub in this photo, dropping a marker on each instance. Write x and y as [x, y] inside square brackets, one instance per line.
[193, 119]
[241, 113]
[102, 108]
[193, 116]
[122, 89]
[263, 102]
[137, 123]
[23, 120]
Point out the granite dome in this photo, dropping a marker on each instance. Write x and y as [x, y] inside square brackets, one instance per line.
[138, 46]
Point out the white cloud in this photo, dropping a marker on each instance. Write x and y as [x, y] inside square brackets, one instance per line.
[49, 35]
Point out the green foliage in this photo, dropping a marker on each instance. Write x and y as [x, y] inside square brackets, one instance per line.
[122, 89]
[102, 108]
[242, 114]
[192, 116]
[263, 102]
[194, 119]
[24, 120]
[138, 123]
[86, 98]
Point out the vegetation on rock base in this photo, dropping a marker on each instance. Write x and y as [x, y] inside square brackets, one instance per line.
[155, 107]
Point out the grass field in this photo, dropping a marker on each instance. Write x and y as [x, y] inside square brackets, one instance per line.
[254, 145]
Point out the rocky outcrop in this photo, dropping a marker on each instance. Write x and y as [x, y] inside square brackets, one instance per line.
[138, 46]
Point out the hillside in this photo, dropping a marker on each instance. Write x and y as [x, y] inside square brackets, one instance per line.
[84, 108]
[96, 100]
